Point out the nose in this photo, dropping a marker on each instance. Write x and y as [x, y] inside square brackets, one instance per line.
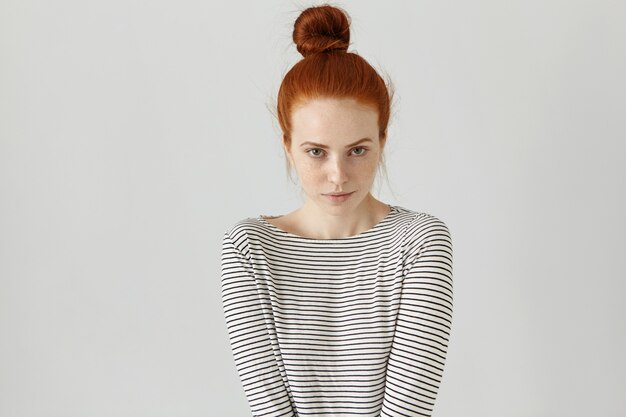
[337, 171]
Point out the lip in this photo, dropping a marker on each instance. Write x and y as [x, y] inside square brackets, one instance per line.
[338, 197]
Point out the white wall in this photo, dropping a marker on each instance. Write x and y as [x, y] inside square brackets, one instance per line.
[132, 134]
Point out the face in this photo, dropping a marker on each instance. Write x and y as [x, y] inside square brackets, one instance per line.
[335, 150]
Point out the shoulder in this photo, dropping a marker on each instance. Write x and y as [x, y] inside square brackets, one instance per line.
[419, 226]
[238, 233]
[242, 227]
[425, 237]
[251, 229]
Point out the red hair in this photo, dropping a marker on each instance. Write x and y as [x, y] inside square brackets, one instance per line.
[322, 36]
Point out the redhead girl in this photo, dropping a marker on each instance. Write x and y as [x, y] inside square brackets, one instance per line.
[342, 307]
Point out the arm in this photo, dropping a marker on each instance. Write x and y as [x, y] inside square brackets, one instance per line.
[420, 342]
[249, 337]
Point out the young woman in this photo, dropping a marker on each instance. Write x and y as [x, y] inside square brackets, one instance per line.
[342, 307]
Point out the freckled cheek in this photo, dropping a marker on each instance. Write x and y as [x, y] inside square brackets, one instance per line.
[367, 169]
[310, 174]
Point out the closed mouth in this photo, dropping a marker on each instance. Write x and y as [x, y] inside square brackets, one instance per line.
[338, 194]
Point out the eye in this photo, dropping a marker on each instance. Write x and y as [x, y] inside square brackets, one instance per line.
[315, 152]
[359, 150]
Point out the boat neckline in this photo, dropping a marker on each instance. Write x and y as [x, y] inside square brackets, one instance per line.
[381, 223]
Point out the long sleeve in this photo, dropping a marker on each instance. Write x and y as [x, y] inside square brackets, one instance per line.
[418, 351]
[247, 315]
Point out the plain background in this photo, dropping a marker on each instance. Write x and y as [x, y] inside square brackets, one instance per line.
[134, 133]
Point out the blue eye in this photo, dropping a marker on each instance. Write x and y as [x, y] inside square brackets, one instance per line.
[358, 151]
[315, 152]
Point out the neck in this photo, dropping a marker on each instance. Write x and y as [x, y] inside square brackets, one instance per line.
[322, 224]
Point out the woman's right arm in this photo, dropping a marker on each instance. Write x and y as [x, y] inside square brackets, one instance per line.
[254, 354]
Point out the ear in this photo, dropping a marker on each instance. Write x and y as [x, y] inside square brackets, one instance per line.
[288, 155]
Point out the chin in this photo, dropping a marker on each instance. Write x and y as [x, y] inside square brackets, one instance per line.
[341, 208]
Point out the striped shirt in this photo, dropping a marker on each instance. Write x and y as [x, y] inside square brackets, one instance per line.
[354, 326]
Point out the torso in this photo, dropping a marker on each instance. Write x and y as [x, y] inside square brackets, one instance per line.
[316, 319]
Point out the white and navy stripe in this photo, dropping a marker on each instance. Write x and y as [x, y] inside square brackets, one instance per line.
[355, 326]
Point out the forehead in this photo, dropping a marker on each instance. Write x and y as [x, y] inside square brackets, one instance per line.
[332, 120]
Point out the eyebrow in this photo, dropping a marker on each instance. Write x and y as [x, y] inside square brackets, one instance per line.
[319, 145]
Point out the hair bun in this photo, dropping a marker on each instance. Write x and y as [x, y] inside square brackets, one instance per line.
[321, 29]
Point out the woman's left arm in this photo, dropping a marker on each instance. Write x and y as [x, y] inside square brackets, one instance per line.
[420, 342]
